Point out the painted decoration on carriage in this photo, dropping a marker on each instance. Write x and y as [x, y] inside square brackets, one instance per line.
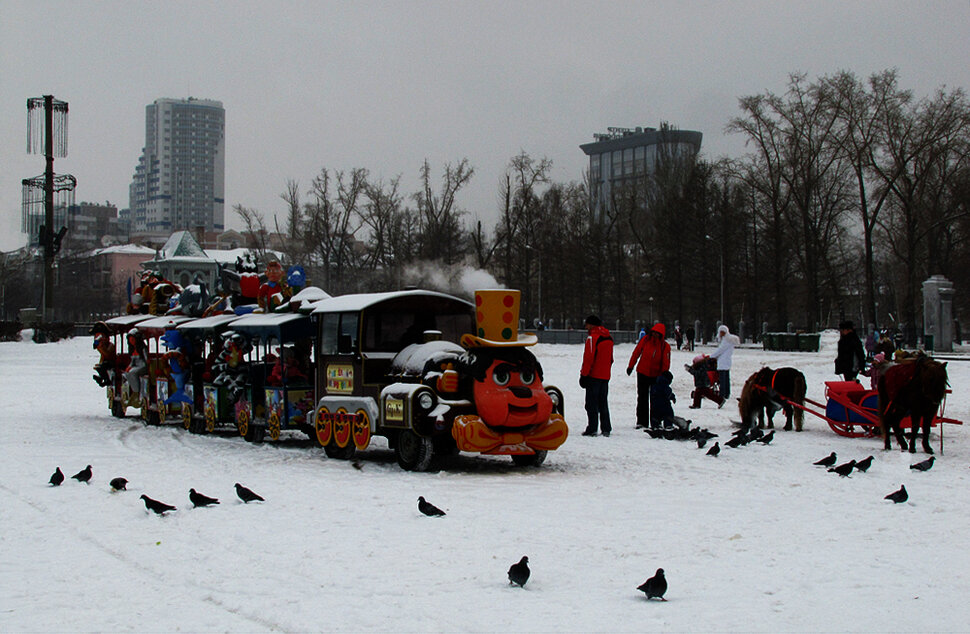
[514, 413]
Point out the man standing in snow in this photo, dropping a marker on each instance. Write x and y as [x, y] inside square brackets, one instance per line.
[594, 376]
[851, 358]
[653, 353]
[723, 354]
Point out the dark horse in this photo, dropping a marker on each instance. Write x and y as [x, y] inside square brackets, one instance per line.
[772, 390]
[915, 388]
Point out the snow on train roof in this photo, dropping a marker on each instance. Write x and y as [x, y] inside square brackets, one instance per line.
[360, 301]
[213, 321]
[266, 320]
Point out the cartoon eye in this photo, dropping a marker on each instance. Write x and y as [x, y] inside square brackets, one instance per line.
[527, 376]
[501, 376]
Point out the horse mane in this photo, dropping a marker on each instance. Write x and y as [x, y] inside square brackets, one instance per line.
[933, 379]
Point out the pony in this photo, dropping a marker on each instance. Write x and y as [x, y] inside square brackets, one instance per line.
[914, 388]
[772, 390]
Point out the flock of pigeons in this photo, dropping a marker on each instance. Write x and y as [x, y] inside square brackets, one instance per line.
[653, 588]
[898, 497]
[155, 506]
[739, 438]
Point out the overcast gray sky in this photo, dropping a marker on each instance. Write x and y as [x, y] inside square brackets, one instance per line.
[384, 85]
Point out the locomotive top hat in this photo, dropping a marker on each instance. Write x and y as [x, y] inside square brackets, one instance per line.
[497, 321]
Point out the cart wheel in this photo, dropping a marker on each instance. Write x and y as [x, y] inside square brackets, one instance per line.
[210, 419]
[324, 426]
[530, 460]
[274, 426]
[413, 452]
[187, 416]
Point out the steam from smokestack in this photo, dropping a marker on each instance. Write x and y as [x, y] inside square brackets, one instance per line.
[460, 280]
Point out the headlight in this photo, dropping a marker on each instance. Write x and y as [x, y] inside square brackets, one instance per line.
[425, 401]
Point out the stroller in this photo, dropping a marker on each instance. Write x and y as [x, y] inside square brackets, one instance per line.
[706, 385]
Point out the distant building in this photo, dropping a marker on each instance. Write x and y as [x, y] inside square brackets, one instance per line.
[179, 182]
[622, 155]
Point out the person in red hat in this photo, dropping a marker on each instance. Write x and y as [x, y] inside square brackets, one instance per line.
[653, 353]
[594, 376]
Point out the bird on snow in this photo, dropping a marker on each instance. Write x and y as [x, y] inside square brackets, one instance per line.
[655, 586]
[713, 451]
[198, 499]
[898, 497]
[767, 438]
[57, 477]
[827, 461]
[84, 475]
[701, 441]
[428, 508]
[844, 469]
[246, 495]
[118, 484]
[159, 508]
[735, 442]
[926, 465]
[357, 465]
[863, 465]
[519, 573]
[756, 434]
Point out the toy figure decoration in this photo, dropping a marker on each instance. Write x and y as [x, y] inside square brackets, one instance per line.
[274, 291]
[296, 278]
[514, 412]
[230, 367]
[177, 363]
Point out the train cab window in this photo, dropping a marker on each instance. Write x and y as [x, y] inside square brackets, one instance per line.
[338, 333]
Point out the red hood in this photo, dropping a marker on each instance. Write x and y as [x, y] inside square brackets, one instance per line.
[661, 329]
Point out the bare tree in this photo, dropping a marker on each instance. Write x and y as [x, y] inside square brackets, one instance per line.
[255, 229]
[442, 234]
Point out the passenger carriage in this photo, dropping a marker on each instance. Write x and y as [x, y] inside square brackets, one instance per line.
[210, 407]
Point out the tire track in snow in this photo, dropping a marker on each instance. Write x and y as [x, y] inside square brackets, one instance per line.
[155, 577]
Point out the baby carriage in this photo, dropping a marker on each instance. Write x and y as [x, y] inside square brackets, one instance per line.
[706, 385]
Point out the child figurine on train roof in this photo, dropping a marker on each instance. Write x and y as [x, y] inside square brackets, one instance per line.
[514, 413]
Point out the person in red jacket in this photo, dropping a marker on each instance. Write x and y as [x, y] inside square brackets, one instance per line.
[653, 353]
[594, 376]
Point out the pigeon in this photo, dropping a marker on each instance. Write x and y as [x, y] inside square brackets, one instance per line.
[701, 441]
[198, 499]
[898, 497]
[84, 475]
[863, 465]
[705, 433]
[246, 495]
[735, 442]
[357, 465]
[827, 461]
[118, 484]
[428, 508]
[57, 477]
[519, 573]
[926, 465]
[713, 451]
[756, 434]
[844, 469]
[159, 508]
[655, 586]
[767, 438]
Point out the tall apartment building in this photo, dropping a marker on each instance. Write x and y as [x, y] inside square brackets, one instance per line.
[622, 155]
[180, 179]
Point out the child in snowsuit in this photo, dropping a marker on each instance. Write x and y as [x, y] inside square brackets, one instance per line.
[700, 370]
[662, 399]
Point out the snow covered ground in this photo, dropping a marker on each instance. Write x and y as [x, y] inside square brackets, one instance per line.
[757, 539]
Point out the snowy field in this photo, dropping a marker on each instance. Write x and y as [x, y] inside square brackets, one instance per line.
[757, 539]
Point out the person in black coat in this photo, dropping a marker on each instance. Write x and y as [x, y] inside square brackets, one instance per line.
[851, 358]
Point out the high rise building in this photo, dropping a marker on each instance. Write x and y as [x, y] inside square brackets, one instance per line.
[180, 179]
[622, 155]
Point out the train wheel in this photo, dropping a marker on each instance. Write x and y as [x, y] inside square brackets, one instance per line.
[342, 427]
[242, 422]
[413, 452]
[324, 426]
[210, 419]
[274, 426]
[530, 460]
[361, 429]
[186, 416]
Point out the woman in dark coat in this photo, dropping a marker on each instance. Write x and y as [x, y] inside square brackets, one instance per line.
[851, 358]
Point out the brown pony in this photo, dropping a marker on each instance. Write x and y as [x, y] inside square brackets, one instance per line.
[915, 388]
[772, 390]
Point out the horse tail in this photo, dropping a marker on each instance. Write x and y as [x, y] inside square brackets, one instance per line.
[745, 404]
[798, 396]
